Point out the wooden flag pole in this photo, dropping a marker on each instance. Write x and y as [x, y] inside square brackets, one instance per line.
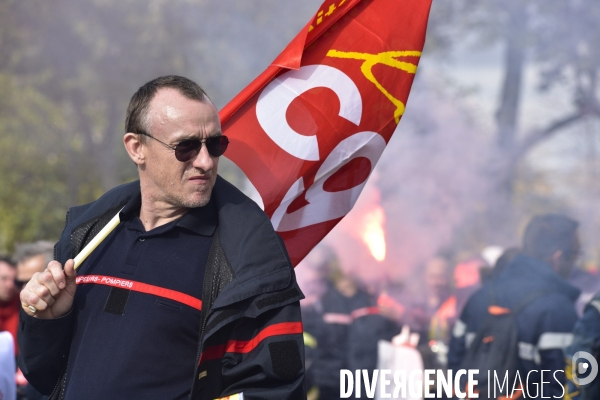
[91, 246]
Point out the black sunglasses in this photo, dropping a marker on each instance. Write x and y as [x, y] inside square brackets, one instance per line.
[189, 148]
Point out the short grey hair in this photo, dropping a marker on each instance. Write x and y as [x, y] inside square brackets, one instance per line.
[23, 251]
[137, 117]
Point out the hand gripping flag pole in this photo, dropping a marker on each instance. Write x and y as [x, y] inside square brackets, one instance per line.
[91, 246]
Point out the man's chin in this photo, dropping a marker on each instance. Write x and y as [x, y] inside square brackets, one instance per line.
[198, 204]
[198, 201]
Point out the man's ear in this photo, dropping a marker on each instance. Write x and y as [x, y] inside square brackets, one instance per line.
[134, 148]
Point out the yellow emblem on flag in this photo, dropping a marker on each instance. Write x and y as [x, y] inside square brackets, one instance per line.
[388, 58]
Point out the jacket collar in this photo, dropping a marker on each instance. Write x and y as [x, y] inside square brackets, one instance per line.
[200, 220]
[539, 274]
[253, 249]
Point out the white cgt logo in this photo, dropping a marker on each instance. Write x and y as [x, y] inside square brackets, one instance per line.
[271, 110]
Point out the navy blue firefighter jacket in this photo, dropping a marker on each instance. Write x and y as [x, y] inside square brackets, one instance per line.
[544, 325]
[250, 301]
[586, 340]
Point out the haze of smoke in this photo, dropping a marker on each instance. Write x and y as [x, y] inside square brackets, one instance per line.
[429, 180]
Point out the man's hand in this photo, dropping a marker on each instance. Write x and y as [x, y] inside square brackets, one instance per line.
[51, 292]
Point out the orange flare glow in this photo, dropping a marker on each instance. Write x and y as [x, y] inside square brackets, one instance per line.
[373, 234]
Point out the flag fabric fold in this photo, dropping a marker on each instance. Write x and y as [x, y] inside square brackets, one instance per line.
[309, 130]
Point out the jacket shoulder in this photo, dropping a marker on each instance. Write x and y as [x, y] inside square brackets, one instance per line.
[256, 253]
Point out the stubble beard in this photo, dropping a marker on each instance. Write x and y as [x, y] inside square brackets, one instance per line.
[184, 202]
[198, 203]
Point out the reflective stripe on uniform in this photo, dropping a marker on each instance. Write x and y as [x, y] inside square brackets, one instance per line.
[347, 319]
[554, 340]
[469, 339]
[547, 341]
[309, 340]
[363, 312]
[336, 318]
[246, 346]
[237, 396]
[140, 287]
[459, 330]
[528, 352]
[595, 304]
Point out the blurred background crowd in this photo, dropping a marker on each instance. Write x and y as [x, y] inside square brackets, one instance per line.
[502, 124]
[346, 317]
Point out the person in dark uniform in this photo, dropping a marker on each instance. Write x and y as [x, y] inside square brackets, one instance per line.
[193, 294]
[534, 281]
[586, 340]
[347, 325]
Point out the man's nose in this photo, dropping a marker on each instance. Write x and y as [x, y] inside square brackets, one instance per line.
[203, 160]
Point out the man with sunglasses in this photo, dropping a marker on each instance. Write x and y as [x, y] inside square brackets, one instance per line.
[191, 296]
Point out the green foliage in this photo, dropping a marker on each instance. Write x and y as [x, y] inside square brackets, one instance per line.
[69, 67]
[32, 171]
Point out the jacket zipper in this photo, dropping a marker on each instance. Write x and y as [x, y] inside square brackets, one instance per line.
[57, 388]
[199, 352]
[64, 386]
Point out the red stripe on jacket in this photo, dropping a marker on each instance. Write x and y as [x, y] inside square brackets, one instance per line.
[142, 288]
[246, 346]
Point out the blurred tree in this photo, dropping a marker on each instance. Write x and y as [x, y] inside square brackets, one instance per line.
[29, 160]
[558, 37]
[68, 69]
[95, 55]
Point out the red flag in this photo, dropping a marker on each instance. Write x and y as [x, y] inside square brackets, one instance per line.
[309, 130]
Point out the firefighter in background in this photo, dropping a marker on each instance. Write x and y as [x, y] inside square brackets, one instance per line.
[550, 249]
[466, 282]
[343, 326]
[310, 347]
[586, 339]
[312, 277]
[408, 308]
[340, 299]
[438, 283]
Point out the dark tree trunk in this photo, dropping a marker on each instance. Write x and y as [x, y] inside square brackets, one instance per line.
[500, 215]
[514, 63]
